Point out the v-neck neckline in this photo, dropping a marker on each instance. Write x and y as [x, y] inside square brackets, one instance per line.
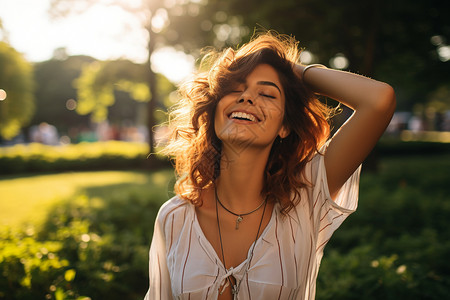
[209, 249]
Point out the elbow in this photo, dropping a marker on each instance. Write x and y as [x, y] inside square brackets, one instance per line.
[386, 101]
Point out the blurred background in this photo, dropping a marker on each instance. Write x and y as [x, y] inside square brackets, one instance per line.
[84, 90]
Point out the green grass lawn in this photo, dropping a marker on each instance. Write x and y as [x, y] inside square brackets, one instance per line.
[78, 234]
[28, 199]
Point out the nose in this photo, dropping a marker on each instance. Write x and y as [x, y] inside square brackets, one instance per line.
[246, 97]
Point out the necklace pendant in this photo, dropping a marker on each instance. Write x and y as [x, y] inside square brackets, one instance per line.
[238, 220]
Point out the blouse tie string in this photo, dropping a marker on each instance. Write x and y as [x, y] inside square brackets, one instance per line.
[237, 273]
[224, 283]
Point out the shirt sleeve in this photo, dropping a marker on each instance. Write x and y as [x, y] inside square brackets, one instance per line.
[328, 214]
[159, 278]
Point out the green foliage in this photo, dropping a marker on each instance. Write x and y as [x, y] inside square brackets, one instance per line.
[30, 268]
[16, 79]
[94, 244]
[387, 40]
[54, 86]
[93, 99]
[396, 244]
[97, 82]
[83, 156]
[85, 250]
[102, 85]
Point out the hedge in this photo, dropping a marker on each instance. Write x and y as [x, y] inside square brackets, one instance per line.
[26, 158]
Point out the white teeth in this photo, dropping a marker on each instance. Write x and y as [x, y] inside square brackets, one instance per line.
[243, 115]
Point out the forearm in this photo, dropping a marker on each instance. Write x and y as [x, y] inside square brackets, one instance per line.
[373, 103]
[355, 91]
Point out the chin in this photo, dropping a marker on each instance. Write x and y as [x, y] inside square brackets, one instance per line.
[239, 145]
[240, 137]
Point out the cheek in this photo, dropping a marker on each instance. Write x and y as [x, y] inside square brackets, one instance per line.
[219, 110]
[275, 111]
[221, 106]
[219, 116]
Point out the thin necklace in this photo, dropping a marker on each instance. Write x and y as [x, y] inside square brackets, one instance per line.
[235, 288]
[239, 216]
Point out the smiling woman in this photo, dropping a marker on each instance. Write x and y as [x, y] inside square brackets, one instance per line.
[261, 187]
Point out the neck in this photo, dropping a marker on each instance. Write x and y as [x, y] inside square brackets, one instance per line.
[241, 178]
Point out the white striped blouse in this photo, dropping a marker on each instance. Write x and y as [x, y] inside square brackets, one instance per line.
[287, 255]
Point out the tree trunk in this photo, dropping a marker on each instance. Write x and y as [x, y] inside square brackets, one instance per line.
[151, 79]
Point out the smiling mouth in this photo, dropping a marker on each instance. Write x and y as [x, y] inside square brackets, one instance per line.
[239, 115]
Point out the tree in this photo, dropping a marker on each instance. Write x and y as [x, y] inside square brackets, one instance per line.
[62, 8]
[65, 7]
[101, 84]
[55, 91]
[16, 80]
[98, 81]
[386, 39]
[185, 24]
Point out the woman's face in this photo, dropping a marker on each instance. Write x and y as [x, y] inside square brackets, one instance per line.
[251, 115]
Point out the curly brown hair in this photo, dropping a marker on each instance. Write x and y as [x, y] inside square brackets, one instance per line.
[197, 149]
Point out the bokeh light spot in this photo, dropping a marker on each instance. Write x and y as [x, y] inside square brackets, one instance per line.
[65, 140]
[160, 20]
[306, 57]
[444, 53]
[436, 40]
[222, 32]
[2, 95]
[339, 62]
[206, 25]
[71, 104]
[221, 16]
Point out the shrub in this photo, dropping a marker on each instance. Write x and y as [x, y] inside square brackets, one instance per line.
[395, 246]
[95, 246]
[32, 269]
[74, 157]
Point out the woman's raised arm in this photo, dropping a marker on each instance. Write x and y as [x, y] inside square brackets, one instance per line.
[373, 103]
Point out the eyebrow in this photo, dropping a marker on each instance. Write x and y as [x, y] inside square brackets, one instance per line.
[270, 83]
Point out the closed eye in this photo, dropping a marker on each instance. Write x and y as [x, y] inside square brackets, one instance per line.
[267, 96]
